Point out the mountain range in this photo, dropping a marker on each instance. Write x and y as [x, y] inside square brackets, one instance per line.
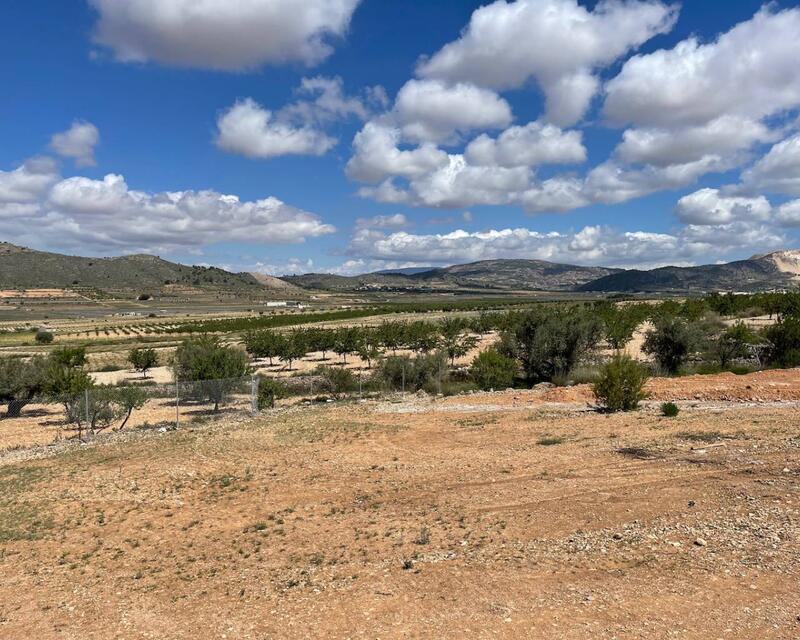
[27, 268]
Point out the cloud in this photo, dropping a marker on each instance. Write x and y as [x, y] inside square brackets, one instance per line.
[220, 34]
[396, 221]
[28, 182]
[326, 101]
[531, 145]
[592, 245]
[466, 216]
[750, 72]
[78, 143]
[38, 207]
[778, 171]
[788, 214]
[293, 266]
[559, 43]
[377, 156]
[724, 136]
[709, 207]
[250, 130]
[432, 111]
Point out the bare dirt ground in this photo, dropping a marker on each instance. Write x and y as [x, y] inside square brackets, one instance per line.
[503, 515]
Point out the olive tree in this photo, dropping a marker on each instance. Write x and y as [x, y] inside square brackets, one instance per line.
[263, 344]
[671, 341]
[550, 341]
[143, 360]
[21, 381]
[214, 368]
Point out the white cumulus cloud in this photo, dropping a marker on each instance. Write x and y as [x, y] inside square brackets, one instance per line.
[750, 72]
[531, 145]
[432, 111]
[78, 143]
[710, 207]
[252, 131]
[221, 34]
[559, 43]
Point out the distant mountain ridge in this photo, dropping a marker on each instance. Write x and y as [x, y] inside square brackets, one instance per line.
[27, 268]
[503, 275]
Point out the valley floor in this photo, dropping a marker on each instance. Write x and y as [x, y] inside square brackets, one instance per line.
[505, 515]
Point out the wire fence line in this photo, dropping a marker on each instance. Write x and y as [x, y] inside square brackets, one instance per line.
[145, 403]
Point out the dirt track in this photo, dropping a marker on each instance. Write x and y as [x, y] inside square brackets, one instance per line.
[492, 515]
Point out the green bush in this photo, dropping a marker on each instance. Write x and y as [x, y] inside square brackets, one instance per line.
[670, 410]
[620, 386]
[492, 370]
[550, 341]
[336, 381]
[428, 372]
[44, 337]
[670, 342]
[270, 390]
[783, 339]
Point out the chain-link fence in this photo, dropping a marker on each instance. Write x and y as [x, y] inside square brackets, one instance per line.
[97, 409]
[143, 403]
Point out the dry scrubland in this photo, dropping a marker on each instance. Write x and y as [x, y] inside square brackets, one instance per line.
[514, 514]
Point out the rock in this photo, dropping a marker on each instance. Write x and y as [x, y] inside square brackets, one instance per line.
[617, 536]
[700, 542]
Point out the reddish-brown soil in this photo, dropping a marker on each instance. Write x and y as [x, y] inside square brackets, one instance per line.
[484, 516]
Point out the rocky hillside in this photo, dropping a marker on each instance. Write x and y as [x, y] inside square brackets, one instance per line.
[780, 270]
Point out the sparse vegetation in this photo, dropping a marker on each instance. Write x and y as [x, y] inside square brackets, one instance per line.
[492, 370]
[621, 384]
[670, 410]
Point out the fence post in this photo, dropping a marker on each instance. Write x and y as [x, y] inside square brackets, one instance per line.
[86, 405]
[254, 393]
[177, 403]
[404, 380]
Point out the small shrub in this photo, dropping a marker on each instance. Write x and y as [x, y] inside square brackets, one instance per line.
[44, 337]
[492, 370]
[620, 386]
[428, 372]
[336, 380]
[270, 390]
[670, 410]
[549, 441]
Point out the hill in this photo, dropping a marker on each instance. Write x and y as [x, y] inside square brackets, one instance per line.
[780, 270]
[27, 268]
[498, 275]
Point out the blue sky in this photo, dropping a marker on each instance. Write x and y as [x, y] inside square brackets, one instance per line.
[361, 135]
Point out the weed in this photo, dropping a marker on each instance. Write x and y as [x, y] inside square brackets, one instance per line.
[424, 536]
[670, 410]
